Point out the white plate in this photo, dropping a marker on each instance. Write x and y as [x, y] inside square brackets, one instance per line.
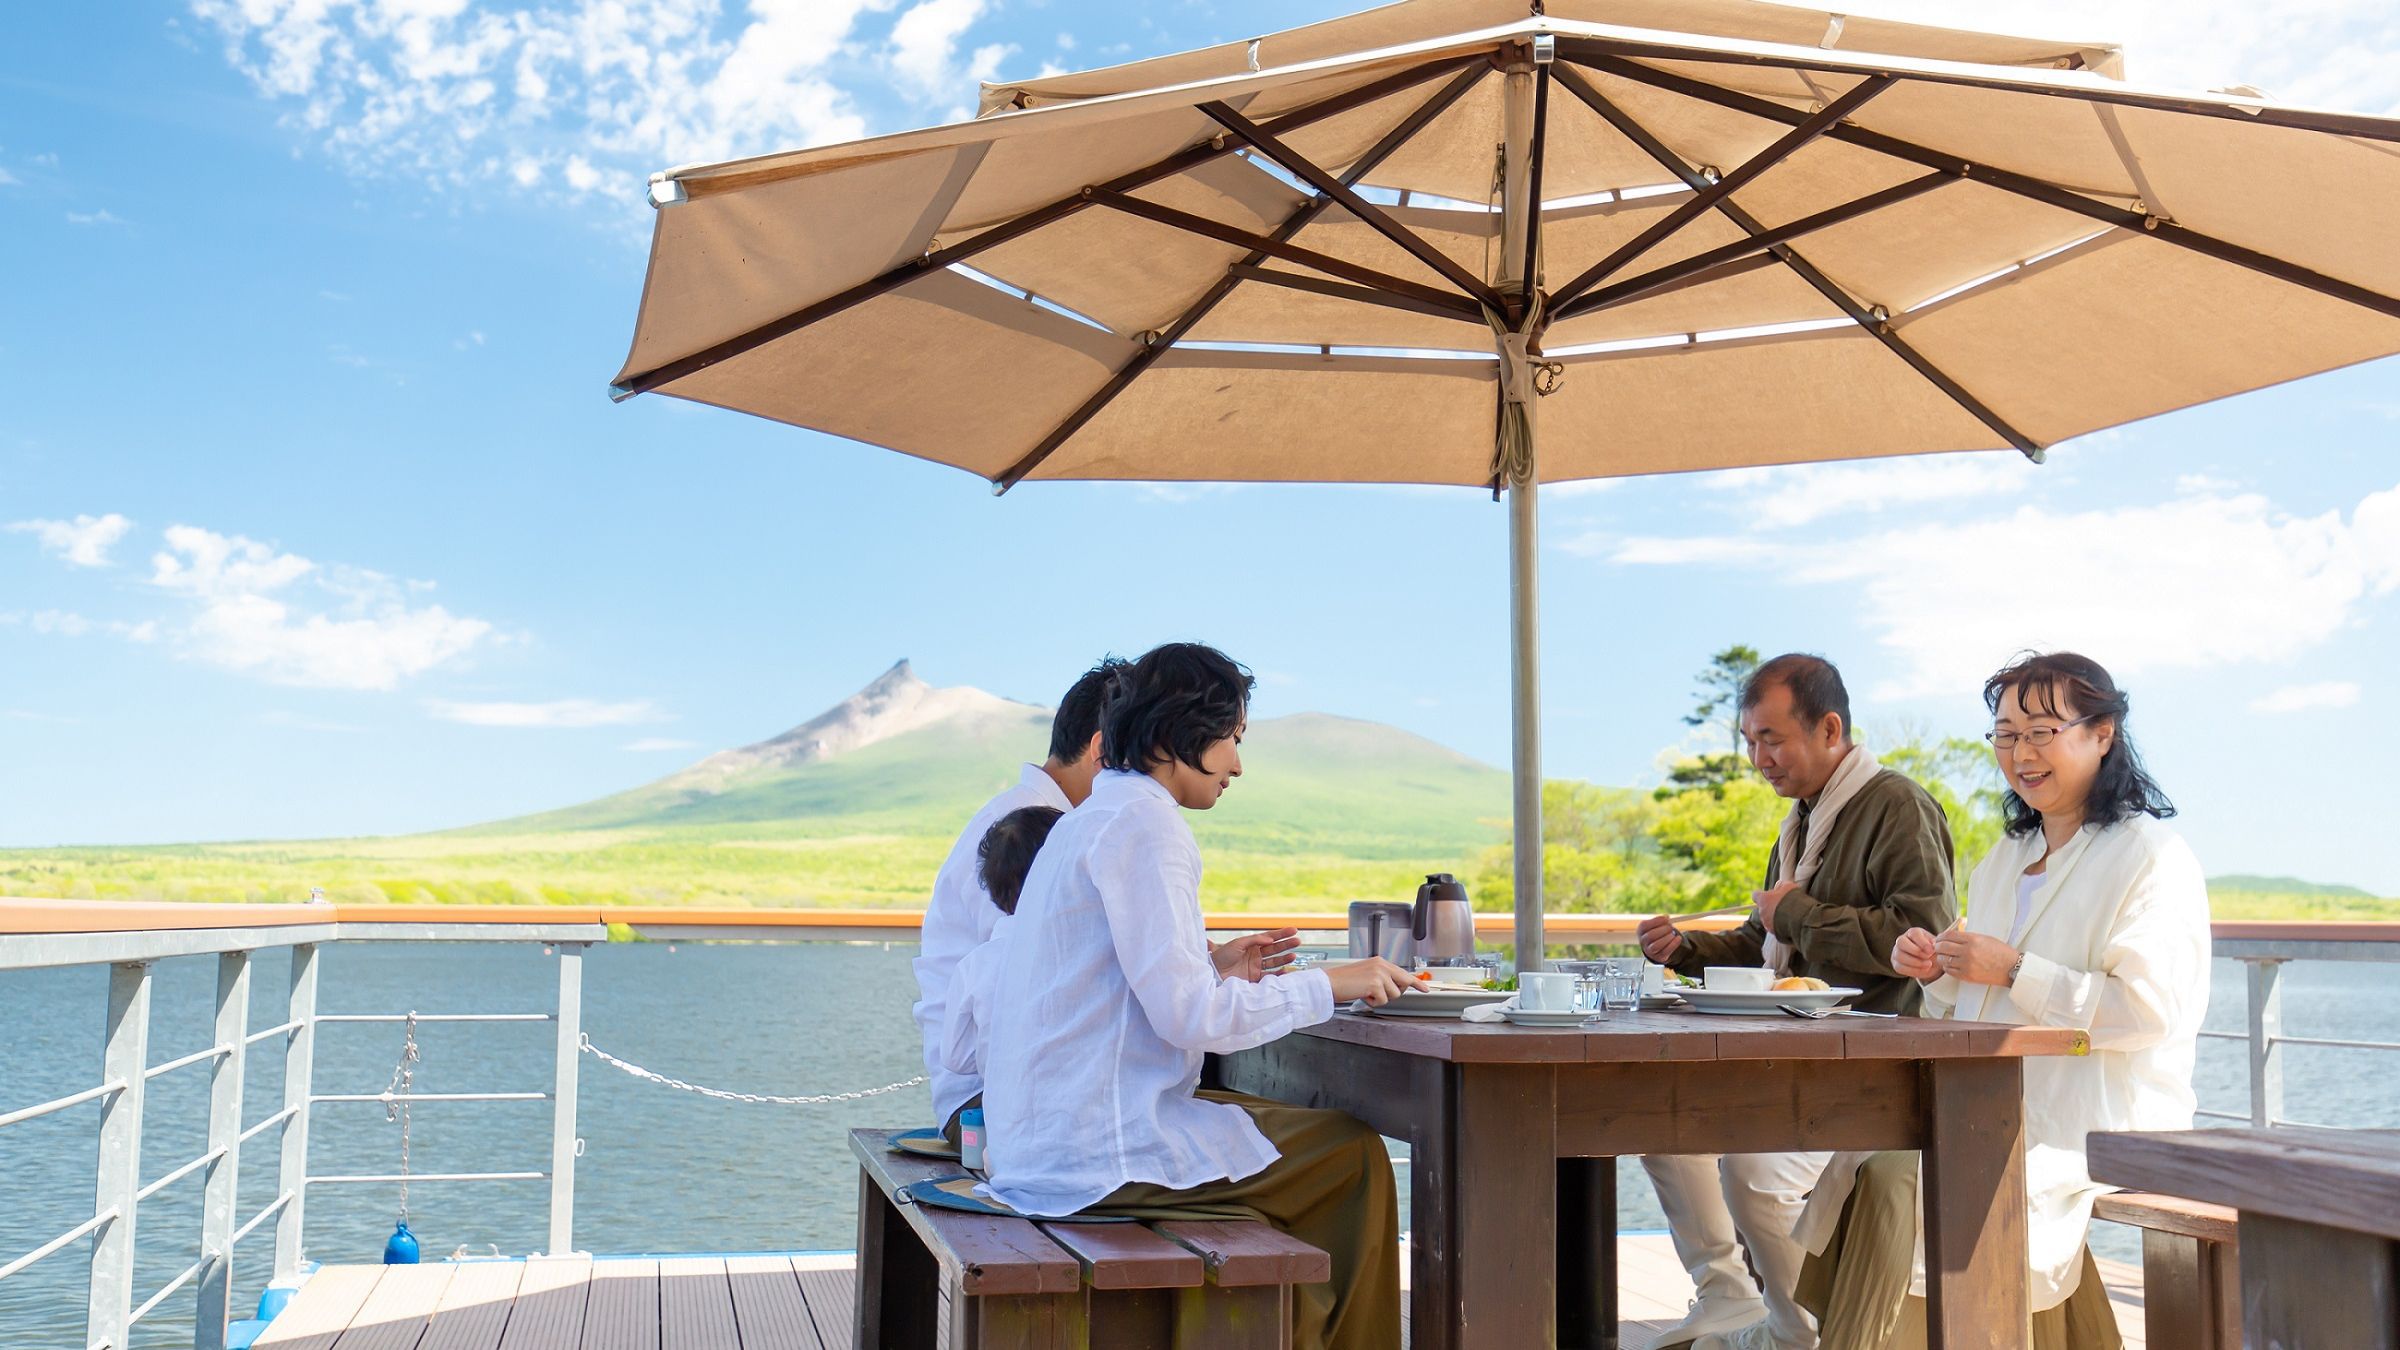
[1654, 1002]
[1526, 1017]
[1438, 1003]
[1762, 1002]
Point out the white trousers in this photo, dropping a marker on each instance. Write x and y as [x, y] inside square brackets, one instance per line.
[1716, 1204]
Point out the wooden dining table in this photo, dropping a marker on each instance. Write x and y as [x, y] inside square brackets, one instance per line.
[1514, 1134]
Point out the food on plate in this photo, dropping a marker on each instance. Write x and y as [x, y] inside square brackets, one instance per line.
[1802, 983]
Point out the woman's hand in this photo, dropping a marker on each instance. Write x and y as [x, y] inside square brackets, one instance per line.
[1913, 956]
[1374, 979]
[1973, 957]
[1254, 956]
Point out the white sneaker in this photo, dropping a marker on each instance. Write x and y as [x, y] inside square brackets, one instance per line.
[1752, 1337]
[1706, 1318]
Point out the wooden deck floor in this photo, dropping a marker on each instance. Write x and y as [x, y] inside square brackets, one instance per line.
[749, 1303]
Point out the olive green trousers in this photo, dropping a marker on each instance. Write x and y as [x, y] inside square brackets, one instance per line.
[1332, 1188]
[1858, 1288]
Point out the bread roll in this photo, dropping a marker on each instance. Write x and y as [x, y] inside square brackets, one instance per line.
[1801, 984]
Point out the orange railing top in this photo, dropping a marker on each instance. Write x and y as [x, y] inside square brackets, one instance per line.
[124, 916]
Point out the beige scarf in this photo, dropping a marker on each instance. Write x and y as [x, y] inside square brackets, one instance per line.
[1796, 859]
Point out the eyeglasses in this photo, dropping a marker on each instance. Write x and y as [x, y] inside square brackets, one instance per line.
[2037, 737]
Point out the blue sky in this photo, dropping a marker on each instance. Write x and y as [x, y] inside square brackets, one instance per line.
[317, 520]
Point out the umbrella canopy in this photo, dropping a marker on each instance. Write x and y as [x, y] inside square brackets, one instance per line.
[1458, 242]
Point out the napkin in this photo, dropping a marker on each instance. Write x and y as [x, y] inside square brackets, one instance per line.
[1489, 1012]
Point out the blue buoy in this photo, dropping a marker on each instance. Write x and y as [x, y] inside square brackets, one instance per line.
[401, 1248]
[272, 1301]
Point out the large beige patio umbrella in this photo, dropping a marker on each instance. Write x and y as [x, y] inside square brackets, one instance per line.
[1468, 242]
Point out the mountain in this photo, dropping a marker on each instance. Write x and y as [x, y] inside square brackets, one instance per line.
[2243, 884]
[903, 757]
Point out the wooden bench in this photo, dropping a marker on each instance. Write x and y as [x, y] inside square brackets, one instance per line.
[2191, 1278]
[930, 1276]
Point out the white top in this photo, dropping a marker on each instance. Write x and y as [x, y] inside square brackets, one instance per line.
[2026, 886]
[1103, 1001]
[2116, 945]
[970, 993]
[958, 919]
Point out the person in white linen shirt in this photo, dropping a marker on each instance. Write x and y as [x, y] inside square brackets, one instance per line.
[1002, 859]
[1103, 1001]
[2111, 938]
[959, 917]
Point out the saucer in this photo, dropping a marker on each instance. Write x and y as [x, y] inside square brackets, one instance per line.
[1525, 1017]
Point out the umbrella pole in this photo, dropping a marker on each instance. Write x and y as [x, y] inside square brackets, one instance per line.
[1525, 694]
[1517, 275]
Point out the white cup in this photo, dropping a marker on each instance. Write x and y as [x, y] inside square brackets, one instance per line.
[1546, 991]
[1654, 979]
[1737, 977]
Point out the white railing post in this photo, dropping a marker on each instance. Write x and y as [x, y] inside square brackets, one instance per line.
[120, 1172]
[2266, 1042]
[222, 1192]
[299, 1057]
[563, 1142]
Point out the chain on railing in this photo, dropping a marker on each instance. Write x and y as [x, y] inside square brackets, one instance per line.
[758, 1098]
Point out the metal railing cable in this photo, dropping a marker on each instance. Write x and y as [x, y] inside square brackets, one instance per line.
[758, 1098]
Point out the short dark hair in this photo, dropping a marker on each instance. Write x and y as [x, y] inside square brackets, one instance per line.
[1079, 712]
[1006, 853]
[1816, 686]
[1171, 705]
[2049, 684]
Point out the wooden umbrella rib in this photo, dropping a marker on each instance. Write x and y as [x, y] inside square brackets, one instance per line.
[1880, 329]
[1706, 195]
[894, 278]
[1272, 247]
[2022, 185]
[1365, 295]
[1308, 171]
[1143, 359]
[1728, 259]
[1536, 154]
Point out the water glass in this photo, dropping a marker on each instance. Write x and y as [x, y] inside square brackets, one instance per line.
[1620, 985]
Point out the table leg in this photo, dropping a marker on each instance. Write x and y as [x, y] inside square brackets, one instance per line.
[1976, 1256]
[1432, 1209]
[1506, 1206]
[1587, 1254]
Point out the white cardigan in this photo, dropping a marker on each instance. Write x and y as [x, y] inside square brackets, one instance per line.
[2118, 946]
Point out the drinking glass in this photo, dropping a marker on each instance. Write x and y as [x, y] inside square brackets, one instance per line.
[1620, 985]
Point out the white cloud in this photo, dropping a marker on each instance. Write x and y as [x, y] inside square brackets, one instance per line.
[7, 179]
[345, 628]
[565, 712]
[62, 623]
[925, 42]
[93, 218]
[2322, 53]
[2203, 579]
[2307, 697]
[584, 95]
[83, 541]
[1796, 494]
[652, 743]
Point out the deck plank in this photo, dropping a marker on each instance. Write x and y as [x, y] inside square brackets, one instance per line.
[621, 1311]
[769, 1310]
[319, 1314]
[548, 1311]
[394, 1316]
[831, 1288]
[695, 1305]
[474, 1308]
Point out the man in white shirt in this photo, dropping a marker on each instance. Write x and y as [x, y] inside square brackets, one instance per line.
[1104, 1000]
[960, 916]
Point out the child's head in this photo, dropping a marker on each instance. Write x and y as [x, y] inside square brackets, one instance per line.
[1006, 853]
[1178, 714]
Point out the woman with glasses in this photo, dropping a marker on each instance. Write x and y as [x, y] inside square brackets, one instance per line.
[2088, 914]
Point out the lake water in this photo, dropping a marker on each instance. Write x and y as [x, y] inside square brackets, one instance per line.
[663, 1171]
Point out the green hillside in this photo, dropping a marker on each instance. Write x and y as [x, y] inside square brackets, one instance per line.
[2243, 884]
[1328, 810]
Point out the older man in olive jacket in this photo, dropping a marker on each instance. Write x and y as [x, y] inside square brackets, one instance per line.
[1863, 857]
